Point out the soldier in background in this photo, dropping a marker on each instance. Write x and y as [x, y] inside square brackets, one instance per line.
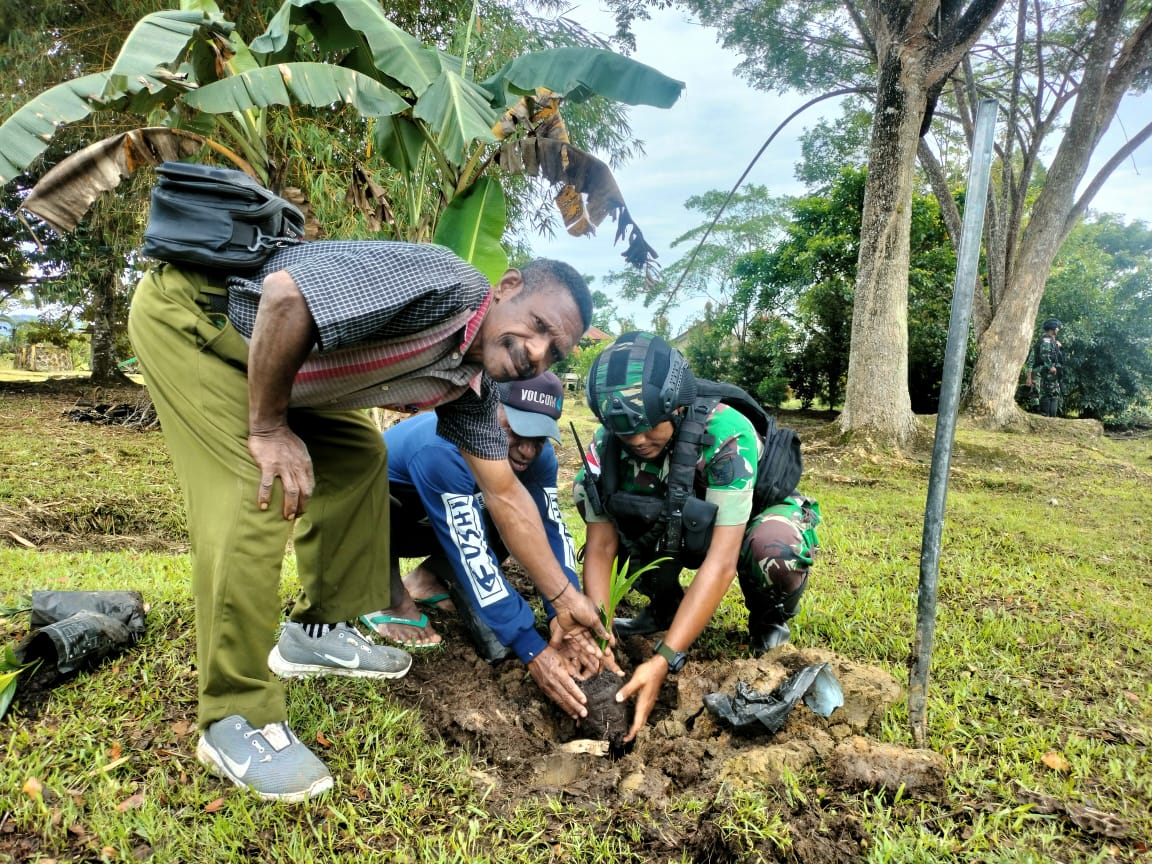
[1046, 367]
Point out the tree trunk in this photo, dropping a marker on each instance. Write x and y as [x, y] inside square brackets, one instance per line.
[102, 336]
[876, 399]
[1004, 347]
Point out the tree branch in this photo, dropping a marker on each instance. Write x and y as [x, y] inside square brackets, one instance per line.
[949, 212]
[970, 25]
[1102, 176]
[861, 26]
[1134, 57]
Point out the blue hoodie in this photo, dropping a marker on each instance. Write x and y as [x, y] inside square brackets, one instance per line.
[420, 459]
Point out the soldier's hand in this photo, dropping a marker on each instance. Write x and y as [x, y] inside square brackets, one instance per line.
[645, 686]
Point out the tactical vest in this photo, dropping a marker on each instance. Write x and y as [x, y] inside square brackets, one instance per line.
[1057, 355]
[681, 523]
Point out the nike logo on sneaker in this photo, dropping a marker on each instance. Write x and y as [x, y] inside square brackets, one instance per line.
[238, 769]
[354, 663]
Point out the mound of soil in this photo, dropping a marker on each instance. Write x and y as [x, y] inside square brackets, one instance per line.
[523, 747]
[498, 713]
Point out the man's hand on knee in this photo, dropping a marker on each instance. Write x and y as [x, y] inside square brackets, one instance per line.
[280, 453]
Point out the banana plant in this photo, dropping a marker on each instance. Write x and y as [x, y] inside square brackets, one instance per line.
[425, 133]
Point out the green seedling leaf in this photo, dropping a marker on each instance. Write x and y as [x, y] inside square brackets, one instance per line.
[8, 660]
[10, 669]
[621, 583]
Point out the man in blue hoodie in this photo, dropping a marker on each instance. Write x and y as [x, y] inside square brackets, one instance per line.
[438, 512]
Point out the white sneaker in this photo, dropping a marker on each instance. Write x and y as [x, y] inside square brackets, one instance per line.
[340, 651]
[271, 761]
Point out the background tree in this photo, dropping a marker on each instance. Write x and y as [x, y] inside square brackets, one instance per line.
[829, 145]
[1101, 290]
[763, 366]
[904, 51]
[1060, 72]
[808, 278]
[707, 345]
[605, 315]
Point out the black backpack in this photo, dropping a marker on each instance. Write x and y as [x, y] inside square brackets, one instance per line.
[780, 465]
[217, 219]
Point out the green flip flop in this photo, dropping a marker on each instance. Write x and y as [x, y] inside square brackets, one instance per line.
[370, 621]
[433, 601]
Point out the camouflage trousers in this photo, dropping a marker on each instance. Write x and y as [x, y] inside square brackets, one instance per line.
[1048, 384]
[779, 546]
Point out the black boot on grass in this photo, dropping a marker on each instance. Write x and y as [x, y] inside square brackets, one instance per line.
[768, 617]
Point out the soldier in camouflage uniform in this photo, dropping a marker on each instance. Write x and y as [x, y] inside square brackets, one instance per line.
[637, 387]
[1045, 369]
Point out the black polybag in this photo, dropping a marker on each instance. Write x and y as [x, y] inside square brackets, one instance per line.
[78, 629]
[750, 709]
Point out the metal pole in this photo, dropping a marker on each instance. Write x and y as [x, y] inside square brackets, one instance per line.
[967, 266]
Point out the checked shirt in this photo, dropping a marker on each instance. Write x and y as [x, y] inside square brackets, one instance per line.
[394, 321]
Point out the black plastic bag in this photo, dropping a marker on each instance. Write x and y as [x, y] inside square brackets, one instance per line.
[750, 709]
[76, 629]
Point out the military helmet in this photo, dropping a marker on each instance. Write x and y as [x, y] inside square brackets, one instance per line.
[1052, 324]
[637, 382]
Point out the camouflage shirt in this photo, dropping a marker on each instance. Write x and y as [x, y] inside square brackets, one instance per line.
[725, 471]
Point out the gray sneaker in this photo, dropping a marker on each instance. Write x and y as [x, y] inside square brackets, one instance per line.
[340, 651]
[272, 761]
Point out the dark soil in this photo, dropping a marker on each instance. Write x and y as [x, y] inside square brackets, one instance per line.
[607, 719]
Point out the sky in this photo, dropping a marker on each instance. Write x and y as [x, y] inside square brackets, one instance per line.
[708, 137]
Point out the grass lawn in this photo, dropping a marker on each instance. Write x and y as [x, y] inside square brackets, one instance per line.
[1040, 699]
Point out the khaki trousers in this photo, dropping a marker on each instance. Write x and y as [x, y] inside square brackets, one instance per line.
[195, 363]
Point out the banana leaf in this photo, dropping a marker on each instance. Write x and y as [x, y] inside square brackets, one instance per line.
[65, 193]
[27, 133]
[578, 74]
[473, 225]
[398, 140]
[395, 52]
[459, 113]
[140, 80]
[315, 84]
[162, 40]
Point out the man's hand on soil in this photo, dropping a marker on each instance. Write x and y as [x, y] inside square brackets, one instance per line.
[278, 452]
[550, 672]
[645, 686]
[578, 649]
[575, 611]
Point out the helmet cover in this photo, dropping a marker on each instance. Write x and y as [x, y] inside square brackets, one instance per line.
[637, 382]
